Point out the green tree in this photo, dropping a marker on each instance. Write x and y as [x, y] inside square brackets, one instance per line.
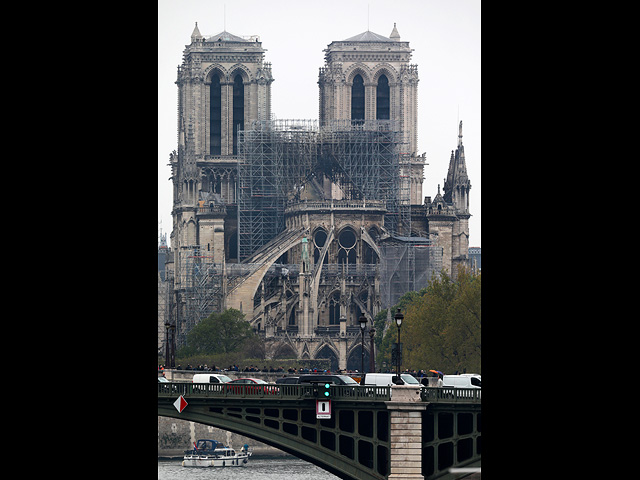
[219, 333]
[441, 327]
[384, 341]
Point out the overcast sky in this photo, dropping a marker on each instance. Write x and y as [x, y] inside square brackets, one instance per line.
[444, 34]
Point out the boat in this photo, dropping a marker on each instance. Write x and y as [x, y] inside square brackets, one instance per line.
[211, 453]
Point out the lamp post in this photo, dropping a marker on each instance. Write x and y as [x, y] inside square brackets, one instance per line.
[398, 317]
[372, 356]
[363, 326]
[170, 345]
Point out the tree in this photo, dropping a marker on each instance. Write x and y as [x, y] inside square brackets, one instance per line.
[219, 333]
[384, 341]
[441, 328]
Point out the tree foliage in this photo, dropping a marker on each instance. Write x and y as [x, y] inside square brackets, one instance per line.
[224, 332]
[441, 327]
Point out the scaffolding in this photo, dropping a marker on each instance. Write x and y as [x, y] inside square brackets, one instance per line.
[365, 158]
[278, 158]
[201, 290]
[407, 264]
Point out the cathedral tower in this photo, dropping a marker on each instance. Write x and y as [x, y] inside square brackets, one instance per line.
[224, 85]
[369, 77]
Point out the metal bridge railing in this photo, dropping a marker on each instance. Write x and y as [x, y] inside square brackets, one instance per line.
[272, 391]
[299, 392]
[451, 395]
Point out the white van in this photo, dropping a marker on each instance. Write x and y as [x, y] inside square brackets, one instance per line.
[210, 378]
[462, 381]
[384, 379]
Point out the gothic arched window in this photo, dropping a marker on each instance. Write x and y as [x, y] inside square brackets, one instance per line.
[238, 110]
[357, 98]
[215, 144]
[334, 309]
[347, 243]
[382, 98]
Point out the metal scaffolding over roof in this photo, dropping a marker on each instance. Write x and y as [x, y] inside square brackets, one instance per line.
[279, 158]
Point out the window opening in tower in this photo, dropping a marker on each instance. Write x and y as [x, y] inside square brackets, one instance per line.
[382, 98]
[357, 98]
[215, 147]
[238, 110]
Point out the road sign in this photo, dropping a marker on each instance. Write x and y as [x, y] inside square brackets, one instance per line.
[180, 404]
[323, 408]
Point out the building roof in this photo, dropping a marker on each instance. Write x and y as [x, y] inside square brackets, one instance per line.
[225, 36]
[368, 36]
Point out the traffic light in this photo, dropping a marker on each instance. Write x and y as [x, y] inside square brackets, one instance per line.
[325, 391]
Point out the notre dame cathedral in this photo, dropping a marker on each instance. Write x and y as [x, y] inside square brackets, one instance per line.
[303, 225]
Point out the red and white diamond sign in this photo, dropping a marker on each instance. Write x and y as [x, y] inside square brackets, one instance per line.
[180, 404]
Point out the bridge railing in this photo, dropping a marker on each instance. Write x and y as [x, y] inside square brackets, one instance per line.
[276, 392]
[451, 395]
[297, 392]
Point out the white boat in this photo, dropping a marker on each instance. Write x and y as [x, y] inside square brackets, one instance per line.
[210, 453]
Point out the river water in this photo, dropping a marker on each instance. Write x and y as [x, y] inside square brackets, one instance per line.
[289, 468]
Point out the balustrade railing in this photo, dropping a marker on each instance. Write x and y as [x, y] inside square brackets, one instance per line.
[308, 391]
[448, 395]
[272, 391]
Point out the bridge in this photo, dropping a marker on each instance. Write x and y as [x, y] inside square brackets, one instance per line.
[374, 433]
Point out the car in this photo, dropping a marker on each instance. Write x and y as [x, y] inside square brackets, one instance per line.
[388, 379]
[164, 388]
[462, 381]
[203, 382]
[251, 386]
[210, 378]
[288, 380]
[327, 378]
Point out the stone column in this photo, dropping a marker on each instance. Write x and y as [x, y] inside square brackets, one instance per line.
[405, 409]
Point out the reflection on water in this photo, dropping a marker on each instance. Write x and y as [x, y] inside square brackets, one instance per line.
[285, 468]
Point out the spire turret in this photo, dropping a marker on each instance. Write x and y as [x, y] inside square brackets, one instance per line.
[457, 184]
[394, 33]
[195, 36]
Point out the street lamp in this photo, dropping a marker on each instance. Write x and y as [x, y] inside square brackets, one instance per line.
[363, 326]
[170, 345]
[372, 356]
[398, 317]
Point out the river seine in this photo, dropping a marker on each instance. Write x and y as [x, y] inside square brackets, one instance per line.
[290, 468]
